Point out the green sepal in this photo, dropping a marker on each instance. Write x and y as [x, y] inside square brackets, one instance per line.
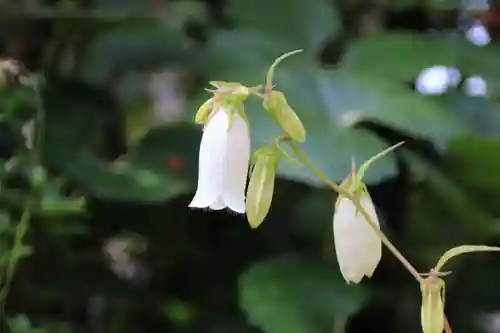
[204, 112]
[261, 186]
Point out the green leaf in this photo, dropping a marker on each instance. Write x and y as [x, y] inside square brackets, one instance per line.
[121, 180]
[463, 249]
[19, 324]
[83, 123]
[78, 117]
[474, 162]
[162, 165]
[170, 148]
[296, 295]
[442, 213]
[400, 56]
[4, 221]
[141, 44]
[329, 102]
[306, 25]
[143, 36]
[482, 115]
[56, 205]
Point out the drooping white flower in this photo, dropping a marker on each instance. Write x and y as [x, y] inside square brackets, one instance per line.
[433, 80]
[358, 248]
[475, 86]
[478, 34]
[223, 162]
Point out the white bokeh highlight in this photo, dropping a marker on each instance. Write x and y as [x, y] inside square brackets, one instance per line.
[478, 34]
[475, 86]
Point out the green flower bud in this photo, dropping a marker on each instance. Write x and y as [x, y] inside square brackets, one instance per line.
[261, 186]
[276, 105]
[204, 112]
[432, 312]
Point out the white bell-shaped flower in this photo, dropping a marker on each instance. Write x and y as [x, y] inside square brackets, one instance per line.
[475, 86]
[358, 247]
[433, 80]
[223, 162]
[478, 34]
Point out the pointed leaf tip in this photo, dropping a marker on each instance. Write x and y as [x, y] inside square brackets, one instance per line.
[463, 249]
[367, 164]
[270, 73]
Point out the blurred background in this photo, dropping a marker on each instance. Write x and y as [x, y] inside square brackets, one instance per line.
[111, 246]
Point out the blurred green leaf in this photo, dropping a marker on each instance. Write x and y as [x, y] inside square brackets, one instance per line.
[400, 56]
[20, 324]
[297, 295]
[4, 221]
[81, 126]
[481, 114]
[402, 5]
[53, 203]
[120, 181]
[474, 162]
[180, 312]
[144, 44]
[79, 117]
[128, 6]
[148, 35]
[305, 25]
[442, 214]
[314, 214]
[397, 5]
[170, 148]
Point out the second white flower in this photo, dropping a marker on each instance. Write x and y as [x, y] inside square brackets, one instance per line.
[358, 247]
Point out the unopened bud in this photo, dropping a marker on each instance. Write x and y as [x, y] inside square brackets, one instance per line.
[261, 186]
[204, 112]
[278, 107]
[432, 312]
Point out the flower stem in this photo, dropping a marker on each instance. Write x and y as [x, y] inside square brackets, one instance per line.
[24, 222]
[321, 175]
[21, 230]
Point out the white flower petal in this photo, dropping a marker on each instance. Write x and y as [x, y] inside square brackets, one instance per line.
[358, 248]
[433, 80]
[238, 155]
[212, 161]
[478, 34]
[218, 204]
[475, 86]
